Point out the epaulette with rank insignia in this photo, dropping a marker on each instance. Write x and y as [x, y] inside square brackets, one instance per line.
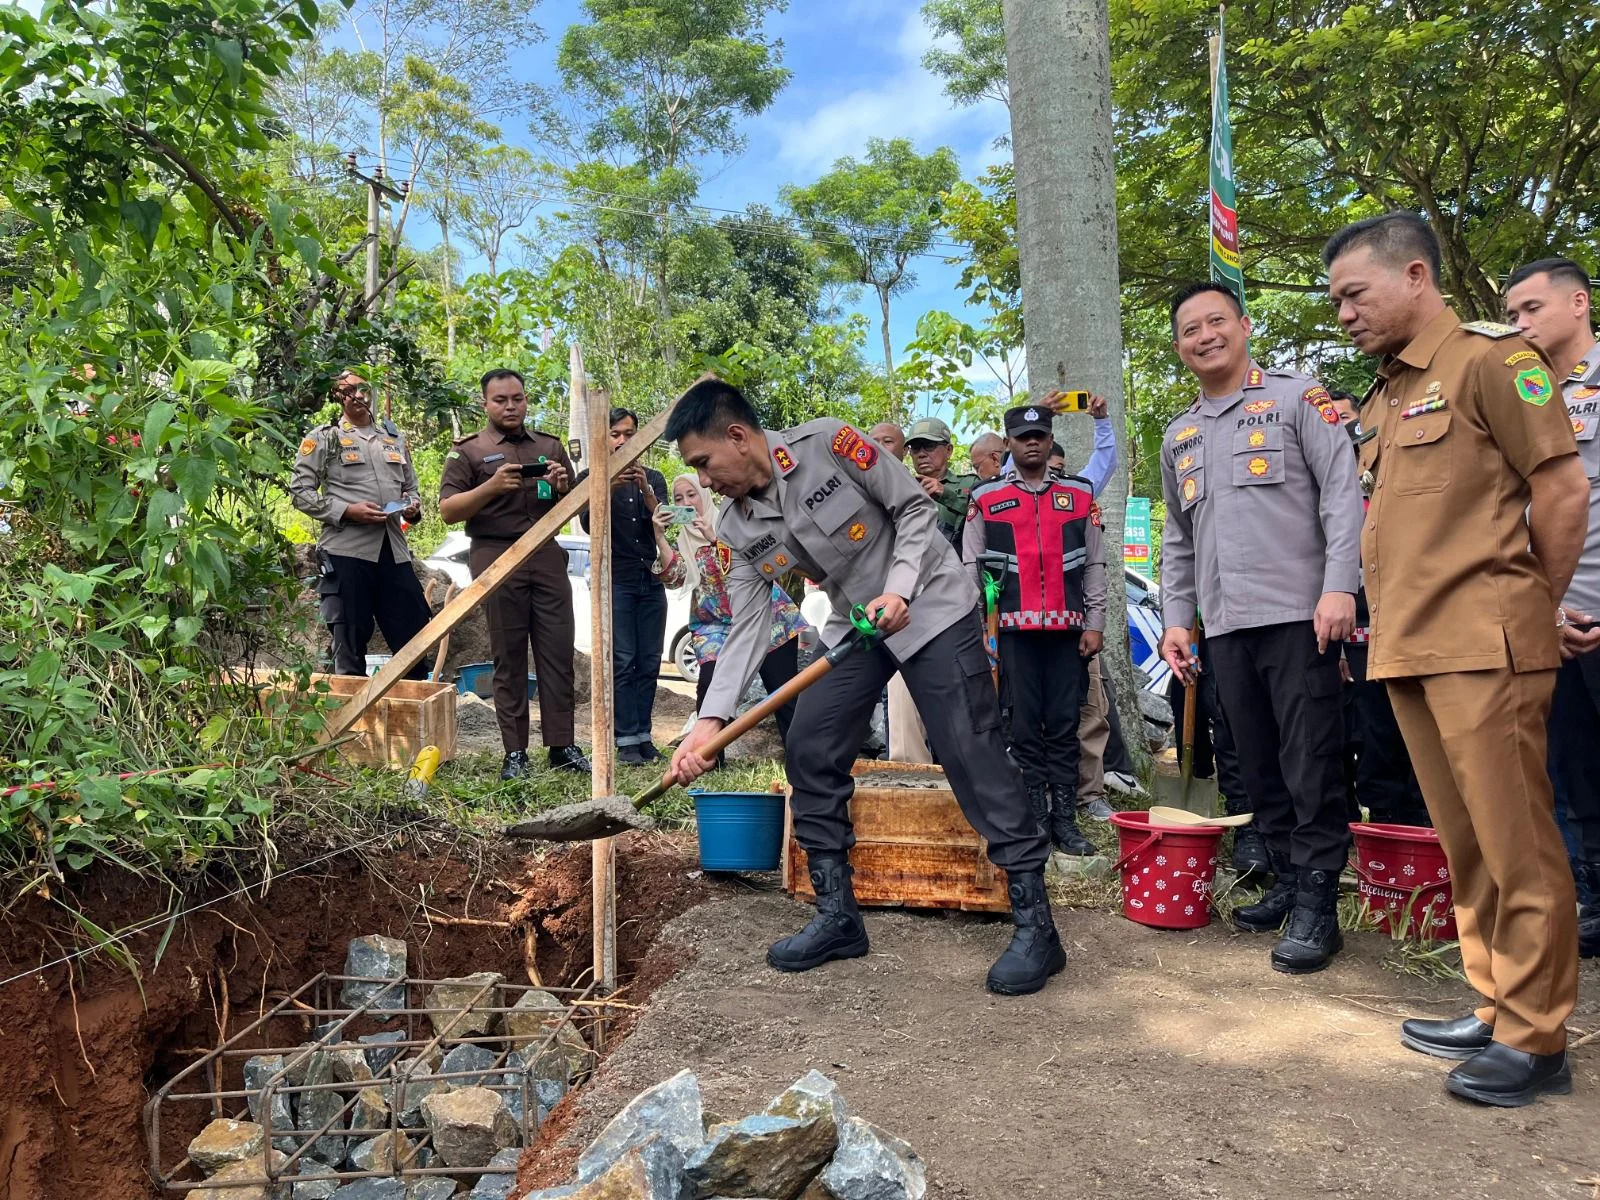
[1492, 329]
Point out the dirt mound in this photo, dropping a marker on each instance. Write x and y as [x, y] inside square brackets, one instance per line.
[81, 1052]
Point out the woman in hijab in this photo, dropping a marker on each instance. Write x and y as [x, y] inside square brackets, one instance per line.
[710, 614]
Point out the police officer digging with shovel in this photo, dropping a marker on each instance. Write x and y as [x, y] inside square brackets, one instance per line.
[822, 497]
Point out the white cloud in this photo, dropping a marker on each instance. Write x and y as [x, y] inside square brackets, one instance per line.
[903, 101]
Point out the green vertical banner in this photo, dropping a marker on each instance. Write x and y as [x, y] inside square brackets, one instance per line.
[1136, 534]
[1225, 265]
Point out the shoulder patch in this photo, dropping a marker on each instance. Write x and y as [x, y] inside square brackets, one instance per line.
[1094, 513]
[725, 557]
[307, 445]
[1579, 371]
[1534, 386]
[783, 459]
[452, 454]
[463, 439]
[855, 447]
[1318, 397]
[1255, 378]
[1491, 329]
[972, 509]
[1522, 356]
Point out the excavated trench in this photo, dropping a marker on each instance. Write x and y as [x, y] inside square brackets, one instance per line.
[84, 1045]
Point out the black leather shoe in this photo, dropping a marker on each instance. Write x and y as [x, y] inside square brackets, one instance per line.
[1459, 1038]
[1508, 1078]
[1312, 937]
[1250, 853]
[1589, 931]
[648, 752]
[1035, 952]
[835, 932]
[514, 765]
[1064, 833]
[1267, 914]
[570, 758]
[629, 755]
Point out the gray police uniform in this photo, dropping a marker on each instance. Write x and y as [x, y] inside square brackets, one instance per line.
[367, 577]
[860, 525]
[1575, 708]
[1263, 517]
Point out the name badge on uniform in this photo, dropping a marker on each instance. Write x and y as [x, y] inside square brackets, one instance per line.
[489, 458]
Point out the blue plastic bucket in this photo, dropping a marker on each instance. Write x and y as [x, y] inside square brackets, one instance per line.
[478, 678]
[739, 831]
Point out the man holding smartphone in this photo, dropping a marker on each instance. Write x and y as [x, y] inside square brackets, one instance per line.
[500, 481]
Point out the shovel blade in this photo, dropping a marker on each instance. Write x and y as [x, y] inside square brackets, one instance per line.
[586, 821]
[1192, 795]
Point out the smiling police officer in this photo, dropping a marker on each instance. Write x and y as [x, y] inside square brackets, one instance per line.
[822, 497]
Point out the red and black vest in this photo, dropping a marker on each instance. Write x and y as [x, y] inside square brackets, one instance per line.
[1044, 538]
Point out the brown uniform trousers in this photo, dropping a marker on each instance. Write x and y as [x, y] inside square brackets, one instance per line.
[1463, 631]
[536, 603]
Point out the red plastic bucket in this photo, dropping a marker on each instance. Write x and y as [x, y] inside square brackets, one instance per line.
[1166, 873]
[1403, 876]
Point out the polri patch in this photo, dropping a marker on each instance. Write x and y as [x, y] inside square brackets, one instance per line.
[1257, 439]
[725, 557]
[1191, 489]
[785, 460]
[972, 509]
[1186, 462]
[857, 531]
[1260, 406]
[852, 446]
[1062, 500]
[307, 446]
[1257, 466]
[1534, 386]
[1094, 513]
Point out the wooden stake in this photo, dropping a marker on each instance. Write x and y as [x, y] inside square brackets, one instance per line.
[601, 678]
[479, 589]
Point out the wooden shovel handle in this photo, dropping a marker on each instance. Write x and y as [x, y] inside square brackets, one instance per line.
[1187, 766]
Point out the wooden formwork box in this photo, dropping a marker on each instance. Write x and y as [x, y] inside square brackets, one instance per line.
[914, 849]
[412, 714]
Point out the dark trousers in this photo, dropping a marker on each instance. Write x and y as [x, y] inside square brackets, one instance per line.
[1282, 702]
[1116, 756]
[536, 603]
[1384, 780]
[639, 616]
[1575, 749]
[777, 668]
[1044, 679]
[385, 592]
[950, 684]
[1214, 750]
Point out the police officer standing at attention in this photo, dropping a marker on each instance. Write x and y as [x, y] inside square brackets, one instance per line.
[1549, 302]
[822, 497]
[1263, 528]
[500, 481]
[357, 480]
[930, 444]
[1045, 528]
[1479, 507]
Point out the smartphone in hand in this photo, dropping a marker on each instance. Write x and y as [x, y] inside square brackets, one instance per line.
[1073, 402]
[536, 470]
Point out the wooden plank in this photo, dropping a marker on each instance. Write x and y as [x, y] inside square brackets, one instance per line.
[603, 862]
[484, 585]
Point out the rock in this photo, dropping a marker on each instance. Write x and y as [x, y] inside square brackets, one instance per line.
[469, 1125]
[307, 1065]
[651, 1170]
[671, 1110]
[375, 957]
[816, 1192]
[873, 1165]
[350, 1064]
[435, 1187]
[547, 1094]
[456, 994]
[380, 1053]
[1153, 707]
[565, 1192]
[764, 1155]
[258, 1071]
[317, 1189]
[1072, 866]
[372, 1189]
[329, 1030]
[419, 1085]
[529, 1023]
[313, 1110]
[246, 1178]
[371, 1111]
[380, 1153]
[498, 1186]
[812, 1092]
[223, 1143]
[478, 1059]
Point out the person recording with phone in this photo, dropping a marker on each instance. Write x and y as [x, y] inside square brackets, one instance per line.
[500, 481]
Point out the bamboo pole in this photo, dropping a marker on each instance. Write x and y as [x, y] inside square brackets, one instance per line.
[602, 724]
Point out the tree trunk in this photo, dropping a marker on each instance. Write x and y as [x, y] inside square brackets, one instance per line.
[449, 267]
[1058, 57]
[888, 353]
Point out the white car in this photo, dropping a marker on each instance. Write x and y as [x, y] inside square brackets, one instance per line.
[451, 558]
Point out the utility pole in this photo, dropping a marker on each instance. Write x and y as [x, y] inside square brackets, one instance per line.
[377, 191]
[1058, 63]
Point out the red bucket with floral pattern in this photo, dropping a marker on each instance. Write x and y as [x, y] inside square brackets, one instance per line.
[1166, 872]
[1402, 874]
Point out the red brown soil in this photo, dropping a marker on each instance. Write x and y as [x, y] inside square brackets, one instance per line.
[80, 1053]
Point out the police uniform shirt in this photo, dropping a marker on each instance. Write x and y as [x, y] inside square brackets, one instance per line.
[340, 465]
[1263, 507]
[1582, 394]
[850, 519]
[474, 458]
[1463, 415]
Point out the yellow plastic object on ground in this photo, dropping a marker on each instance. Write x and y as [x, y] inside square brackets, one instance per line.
[421, 773]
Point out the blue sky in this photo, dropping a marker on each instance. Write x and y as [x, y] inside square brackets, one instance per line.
[857, 74]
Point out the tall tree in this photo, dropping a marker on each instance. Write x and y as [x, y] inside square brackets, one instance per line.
[653, 87]
[871, 218]
[970, 53]
[498, 195]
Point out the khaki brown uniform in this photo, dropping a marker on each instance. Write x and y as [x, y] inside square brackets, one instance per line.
[1463, 630]
[537, 600]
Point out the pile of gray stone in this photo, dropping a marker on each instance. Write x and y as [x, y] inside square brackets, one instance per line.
[804, 1145]
[461, 1105]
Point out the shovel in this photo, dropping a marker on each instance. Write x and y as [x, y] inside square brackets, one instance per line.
[1160, 814]
[1186, 792]
[608, 816]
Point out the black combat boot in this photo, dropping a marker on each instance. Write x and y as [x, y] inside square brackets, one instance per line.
[1035, 952]
[1064, 834]
[1039, 806]
[1250, 853]
[1312, 937]
[835, 932]
[570, 758]
[514, 765]
[1266, 914]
